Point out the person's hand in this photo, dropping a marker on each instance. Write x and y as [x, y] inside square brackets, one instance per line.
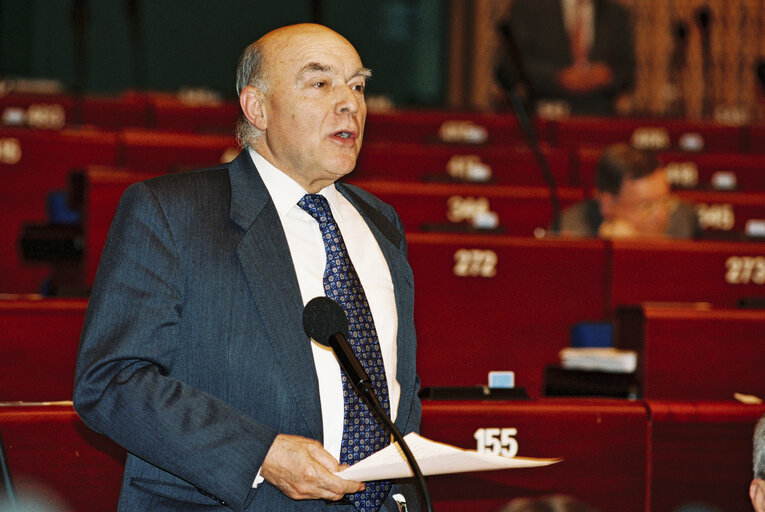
[582, 78]
[302, 469]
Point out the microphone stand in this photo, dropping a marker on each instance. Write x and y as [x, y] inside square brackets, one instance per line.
[133, 11]
[544, 165]
[364, 388]
[522, 117]
[703, 18]
[325, 321]
[677, 66]
[81, 20]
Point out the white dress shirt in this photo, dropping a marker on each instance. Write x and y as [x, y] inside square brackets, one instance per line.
[308, 256]
[585, 10]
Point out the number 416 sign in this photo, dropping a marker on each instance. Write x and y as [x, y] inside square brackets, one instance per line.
[498, 441]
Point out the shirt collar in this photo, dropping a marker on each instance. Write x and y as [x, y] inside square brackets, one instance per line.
[286, 192]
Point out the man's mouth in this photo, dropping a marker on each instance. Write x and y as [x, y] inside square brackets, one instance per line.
[344, 134]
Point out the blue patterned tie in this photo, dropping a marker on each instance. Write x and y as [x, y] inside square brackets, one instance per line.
[362, 433]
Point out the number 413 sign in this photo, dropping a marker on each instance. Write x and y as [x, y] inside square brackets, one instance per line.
[498, 441]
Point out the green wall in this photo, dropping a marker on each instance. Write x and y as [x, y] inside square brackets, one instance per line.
[197, 42]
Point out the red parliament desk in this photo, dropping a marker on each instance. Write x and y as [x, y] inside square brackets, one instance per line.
[652, 456]
[757, 138]
[701, 452]
[38, 347]
[33, 163]
[495, 164]
[441, 126]
[103, 188]
[487, 303]
[604, 444]
[720, 273]
[50, 452]
[618, 455]
[54, 111]
[183, 113]
[654, 134]
[694, 353]
[519, 211]
[165, 111]
[731, 214]
[166, 151]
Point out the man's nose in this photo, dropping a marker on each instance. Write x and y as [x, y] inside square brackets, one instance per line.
[347, 102]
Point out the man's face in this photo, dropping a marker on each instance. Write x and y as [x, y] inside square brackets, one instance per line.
[314, 106]
[645, 203]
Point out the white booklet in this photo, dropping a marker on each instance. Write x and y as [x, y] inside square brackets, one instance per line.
[434, 459]
[604, 359]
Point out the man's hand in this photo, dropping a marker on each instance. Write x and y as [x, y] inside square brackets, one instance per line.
[585, 77]
[302, 469]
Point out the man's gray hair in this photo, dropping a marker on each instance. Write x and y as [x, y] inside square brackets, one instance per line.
[758, 457]
[250, 71]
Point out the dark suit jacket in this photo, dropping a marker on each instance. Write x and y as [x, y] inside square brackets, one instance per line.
[542, 48]
[193, 355]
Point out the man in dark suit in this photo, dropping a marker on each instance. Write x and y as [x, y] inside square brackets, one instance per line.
[193, 355]
[579, 52]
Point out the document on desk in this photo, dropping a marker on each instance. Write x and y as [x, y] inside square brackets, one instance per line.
[434, 459]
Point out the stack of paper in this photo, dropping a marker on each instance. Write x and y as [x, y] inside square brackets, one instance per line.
[599, 359]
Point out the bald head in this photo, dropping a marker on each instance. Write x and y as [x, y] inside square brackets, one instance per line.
[301, 89]
[253, 68]
[292, 35]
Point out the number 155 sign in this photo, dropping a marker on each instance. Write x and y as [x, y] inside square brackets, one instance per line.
[498, 441]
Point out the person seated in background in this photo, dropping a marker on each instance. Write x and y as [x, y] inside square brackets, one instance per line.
[554, 503]
[633, 200]
[575, 52]
[757, 487]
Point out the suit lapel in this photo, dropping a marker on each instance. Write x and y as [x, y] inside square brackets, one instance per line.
[600, 23]
[557, 35]
[265, 258]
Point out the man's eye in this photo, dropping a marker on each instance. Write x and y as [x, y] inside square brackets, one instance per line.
[320, 85]
[359, 87]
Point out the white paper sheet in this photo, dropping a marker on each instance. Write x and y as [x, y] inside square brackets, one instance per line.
[434, 459]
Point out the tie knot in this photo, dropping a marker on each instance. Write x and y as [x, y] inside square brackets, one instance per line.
[316, 205]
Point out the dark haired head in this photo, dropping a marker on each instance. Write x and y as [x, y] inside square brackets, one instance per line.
[621, 161]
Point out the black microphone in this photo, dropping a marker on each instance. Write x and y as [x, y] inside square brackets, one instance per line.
[703, 17]
[325, 321]
[680, 33]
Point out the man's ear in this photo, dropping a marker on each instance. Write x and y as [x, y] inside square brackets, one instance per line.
[757, 494]
[252, 101]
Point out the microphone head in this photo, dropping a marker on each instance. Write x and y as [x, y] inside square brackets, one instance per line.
[703, 16]
[680, 30]
[323, 318]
